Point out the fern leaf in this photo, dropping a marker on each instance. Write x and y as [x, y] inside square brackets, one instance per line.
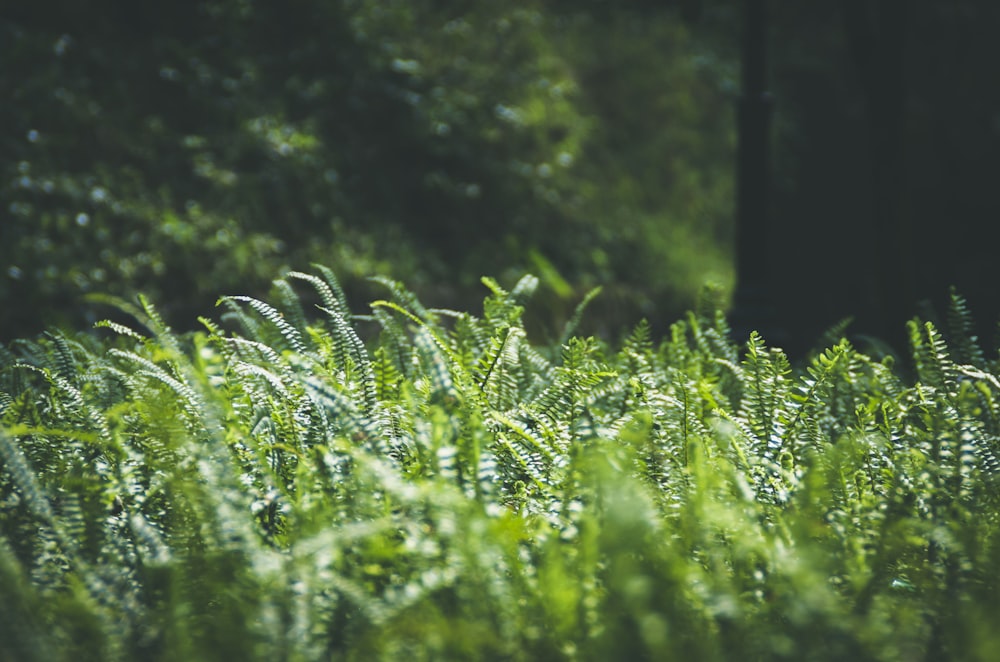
[291, 304]
[386, 373]
[406, 299]
[333, 284]
[497, 369]
[329, 298]
[291, 335]
[574, 321]
[961, 331]
[437, 364]
[930, 355]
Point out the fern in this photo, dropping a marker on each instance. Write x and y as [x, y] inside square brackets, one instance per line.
[496, 370]
[290, 305]
[569, 330]
[331, 298]
[930, 355]
[291, 336]
[295, 489]
[406, 299]
[961, 327]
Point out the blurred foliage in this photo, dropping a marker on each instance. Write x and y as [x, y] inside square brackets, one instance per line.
[189, 148]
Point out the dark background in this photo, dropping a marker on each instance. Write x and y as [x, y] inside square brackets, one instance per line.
[194, 149]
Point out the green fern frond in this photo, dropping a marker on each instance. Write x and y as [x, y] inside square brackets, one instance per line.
[442, 384]
[251, 326]
[834, 334]
[406, 299]
[16, 465]
[329, 298]
[63, 363]
[252, 351]
[333, 284]
[931, 358]
[496, 371]
[766, 387]
[121, 330]
[501, 310]
[291, 336]
[148, 368]
[387, 374]
[291, 304]
[469, 337]
[573, 323]
[350, 348]
[276, 383]
[524, 289]
[343, 414]
[521, 455]
[961, 331]
[154, 322]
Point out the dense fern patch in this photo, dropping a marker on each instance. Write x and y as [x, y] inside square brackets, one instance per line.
[275, 487]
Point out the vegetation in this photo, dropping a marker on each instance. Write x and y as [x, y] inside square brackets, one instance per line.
[194, 148]
[451, 489]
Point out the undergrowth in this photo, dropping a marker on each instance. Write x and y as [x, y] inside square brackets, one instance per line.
[276, 488]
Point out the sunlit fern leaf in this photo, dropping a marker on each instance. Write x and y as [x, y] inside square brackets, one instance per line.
[496, 369]
[562, 397]
[494, 287]
[71, 407]
[328, 297]
[501, 310]
[528, 439]
[573, 323]
[537, 369]
[217, 340]
[834, 334]
[524, 289]
[291, 336]
[712, 338]
[344, 415]
[408, 300]
[639, 341]
[251, 351]
[154, 322]
[988, 453]
[395, 341]
[930, 355]
[961, 332]
[333, 284]
[815, 385]
[519, 464]
[121, 330]
[388, 377]
[765, 388]
[16, 465]
[276, 384]
[291, 304]
[249, 325]
[62, 361]
[188, 398]
[442, 384]
[469, 338]
[349, 346]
